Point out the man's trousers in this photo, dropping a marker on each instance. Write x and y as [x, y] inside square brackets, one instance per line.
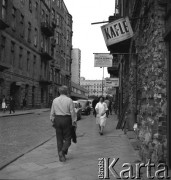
[63, 132]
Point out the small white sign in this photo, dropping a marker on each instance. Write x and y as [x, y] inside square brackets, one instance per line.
[117, 31]
[112, 82]
[103, 60]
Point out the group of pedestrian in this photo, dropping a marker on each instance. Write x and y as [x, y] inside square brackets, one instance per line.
[64, 119]
[11, 104]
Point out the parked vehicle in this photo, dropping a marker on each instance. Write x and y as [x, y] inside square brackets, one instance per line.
[78, 109]
[85, 105]
[90, 103]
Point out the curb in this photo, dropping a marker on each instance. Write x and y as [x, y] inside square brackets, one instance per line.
[19, 155]
[9, 115]
[24, 113]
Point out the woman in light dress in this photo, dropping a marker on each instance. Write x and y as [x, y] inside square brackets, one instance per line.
[101, 108]
[3, 104]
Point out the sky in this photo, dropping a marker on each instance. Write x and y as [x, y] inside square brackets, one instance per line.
[89, 38]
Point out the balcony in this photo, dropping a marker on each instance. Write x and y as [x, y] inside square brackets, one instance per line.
[55, 65]
[3, 66]
[47, 29]
[45, 54]
[3, 23]
[44, 80]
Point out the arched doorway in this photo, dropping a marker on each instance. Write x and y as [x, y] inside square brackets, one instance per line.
[15, 93]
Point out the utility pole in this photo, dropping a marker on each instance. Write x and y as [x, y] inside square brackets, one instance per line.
[102, 80]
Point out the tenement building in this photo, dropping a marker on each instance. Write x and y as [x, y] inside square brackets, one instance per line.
[144, 72]
[35, 50]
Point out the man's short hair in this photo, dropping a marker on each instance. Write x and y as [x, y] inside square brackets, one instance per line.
[63, 90]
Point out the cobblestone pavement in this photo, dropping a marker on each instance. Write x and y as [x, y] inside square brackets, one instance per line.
[19, 134]
[82, 161]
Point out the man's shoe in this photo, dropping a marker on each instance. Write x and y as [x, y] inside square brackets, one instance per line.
[62, 157]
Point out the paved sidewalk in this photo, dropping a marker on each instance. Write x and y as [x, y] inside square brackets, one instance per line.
[82, 160]
[23, 112]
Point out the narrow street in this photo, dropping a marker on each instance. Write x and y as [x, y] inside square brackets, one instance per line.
[19, 134]
[82, 160]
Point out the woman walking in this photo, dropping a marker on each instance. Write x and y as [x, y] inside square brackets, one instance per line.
[3, 104]
[101, 109]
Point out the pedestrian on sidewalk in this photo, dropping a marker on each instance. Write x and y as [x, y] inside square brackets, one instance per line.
[63, 116]
[95, 101]
[24, 103]
[107, 102]
[11, 104]
[4, 105]
[101, 109]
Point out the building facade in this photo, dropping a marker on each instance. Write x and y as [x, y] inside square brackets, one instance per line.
[144, 73]
[76, 65]
[78, 92]
[94, 87]
[35, 50]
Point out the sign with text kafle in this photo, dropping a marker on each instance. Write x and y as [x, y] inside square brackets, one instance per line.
[103, 60]
[117, 31]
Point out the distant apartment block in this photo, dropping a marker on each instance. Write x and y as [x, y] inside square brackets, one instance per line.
[76, 65]
[94, 87]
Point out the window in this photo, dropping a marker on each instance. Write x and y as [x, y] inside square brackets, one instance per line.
[22, 25]
[30, 6]
[57, 38]
[47, 18]
[53, 14]
[4, 9]
[3, 42]
[28, 60]
[22, 19]
[43, 15]
[36, 9]
[13, 18]
[57, 19]
[35, 37]
[29, 32]
[20, 57]
[12, 53]
[34, 65]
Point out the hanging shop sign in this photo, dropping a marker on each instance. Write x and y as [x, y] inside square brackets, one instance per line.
[103, 60]
[117, 31]
[112, 82]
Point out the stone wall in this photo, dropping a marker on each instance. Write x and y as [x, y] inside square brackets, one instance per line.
[150, 81]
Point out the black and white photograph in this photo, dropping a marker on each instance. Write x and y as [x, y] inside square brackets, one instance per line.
[85, 89]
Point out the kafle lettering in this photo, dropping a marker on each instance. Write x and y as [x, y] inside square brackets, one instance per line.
[130, 171]
[116, 30]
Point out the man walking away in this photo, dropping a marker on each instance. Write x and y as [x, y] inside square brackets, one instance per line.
[63, 116]
[11, 104]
